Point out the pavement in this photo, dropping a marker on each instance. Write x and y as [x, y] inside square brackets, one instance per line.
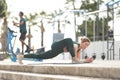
[55, 69]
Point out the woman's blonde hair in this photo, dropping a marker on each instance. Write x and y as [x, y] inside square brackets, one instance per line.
[85, 39]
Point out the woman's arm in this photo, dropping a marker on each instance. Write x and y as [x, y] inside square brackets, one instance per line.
[77, 54]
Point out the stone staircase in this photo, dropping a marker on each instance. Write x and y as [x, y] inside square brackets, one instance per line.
[98, 70]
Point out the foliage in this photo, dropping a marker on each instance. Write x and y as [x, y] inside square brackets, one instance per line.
[31, 18]
[3, 8]
[90, 28]
[90, 6]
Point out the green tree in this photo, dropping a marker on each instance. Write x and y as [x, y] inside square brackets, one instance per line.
[3, 15]
[42, 32]
[72, 2]
[98, 21]
[30, 19]
[3, 8]
[54, 15]
[89, 6]
[90, 28]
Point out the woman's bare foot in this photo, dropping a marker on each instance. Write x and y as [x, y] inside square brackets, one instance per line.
[20, 58]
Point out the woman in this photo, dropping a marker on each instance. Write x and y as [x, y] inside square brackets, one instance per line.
[65, 45]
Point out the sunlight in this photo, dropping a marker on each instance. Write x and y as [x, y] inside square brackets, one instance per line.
[32, 6]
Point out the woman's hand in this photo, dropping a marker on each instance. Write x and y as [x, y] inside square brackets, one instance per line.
[88, 60]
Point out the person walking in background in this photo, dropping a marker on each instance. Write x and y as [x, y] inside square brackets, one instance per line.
[23, 31]
[65, 45]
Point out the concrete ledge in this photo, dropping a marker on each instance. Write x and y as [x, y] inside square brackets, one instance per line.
[97, 69]
[66, 70]
[8, 75]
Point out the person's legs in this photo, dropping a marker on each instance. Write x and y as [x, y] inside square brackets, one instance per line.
[45, 55]
[69, 44]
[70, 47]
[57, 48]
[22, 45]
[22, 38]
[20, 56]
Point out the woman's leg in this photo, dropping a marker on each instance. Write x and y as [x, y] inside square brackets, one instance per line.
[68, 42]
[57, 48]
[45, 55]
[70, 47]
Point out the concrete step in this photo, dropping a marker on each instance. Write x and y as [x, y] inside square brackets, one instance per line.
[12, 75]
[97, 69]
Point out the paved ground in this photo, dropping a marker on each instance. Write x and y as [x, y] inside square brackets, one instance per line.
[96, 63]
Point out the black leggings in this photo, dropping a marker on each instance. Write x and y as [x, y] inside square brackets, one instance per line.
[56, 49]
